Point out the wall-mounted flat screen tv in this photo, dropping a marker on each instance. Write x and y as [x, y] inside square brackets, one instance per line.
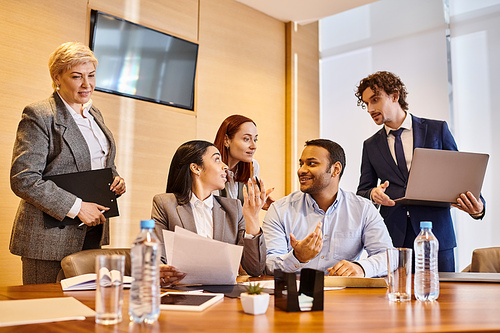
[142, 63]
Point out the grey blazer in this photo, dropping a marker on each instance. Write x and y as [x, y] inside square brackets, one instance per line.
[49, 142]
[229, 227]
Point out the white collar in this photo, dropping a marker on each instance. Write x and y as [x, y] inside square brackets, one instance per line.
[209, 202]
[407, 124]
[86, 107]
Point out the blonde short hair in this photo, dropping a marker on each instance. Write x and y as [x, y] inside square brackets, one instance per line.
[68, 55]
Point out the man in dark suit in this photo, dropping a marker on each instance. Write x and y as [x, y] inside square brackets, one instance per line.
[384, 96]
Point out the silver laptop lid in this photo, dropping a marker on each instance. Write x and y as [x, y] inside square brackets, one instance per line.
[442, 175]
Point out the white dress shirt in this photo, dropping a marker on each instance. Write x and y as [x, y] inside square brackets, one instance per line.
[232, 185]
[96, 141]
[203, 217]
[406, 139]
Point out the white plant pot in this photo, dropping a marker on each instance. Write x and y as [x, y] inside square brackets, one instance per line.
[254, 304]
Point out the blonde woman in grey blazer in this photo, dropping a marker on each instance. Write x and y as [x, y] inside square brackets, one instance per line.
[50, 141]
[195, 172]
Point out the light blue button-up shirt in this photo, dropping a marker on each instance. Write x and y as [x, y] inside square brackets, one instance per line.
[349, 225]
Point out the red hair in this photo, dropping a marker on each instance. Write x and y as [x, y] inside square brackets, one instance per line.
[230, 126]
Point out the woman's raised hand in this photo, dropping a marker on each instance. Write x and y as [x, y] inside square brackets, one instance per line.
[255, 197]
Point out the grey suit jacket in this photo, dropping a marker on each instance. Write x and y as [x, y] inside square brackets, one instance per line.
[229, 227]
[49, 142]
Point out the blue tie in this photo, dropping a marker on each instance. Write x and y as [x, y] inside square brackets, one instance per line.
[400, 154]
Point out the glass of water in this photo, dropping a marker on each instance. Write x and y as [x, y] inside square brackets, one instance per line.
[399, 274]
[109, 288]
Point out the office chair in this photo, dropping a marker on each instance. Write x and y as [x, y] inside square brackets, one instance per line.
[485, 260]
[83, 262]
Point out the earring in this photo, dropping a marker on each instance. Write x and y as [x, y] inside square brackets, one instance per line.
[57, 88]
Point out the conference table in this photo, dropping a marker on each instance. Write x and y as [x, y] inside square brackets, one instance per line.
[461, 307]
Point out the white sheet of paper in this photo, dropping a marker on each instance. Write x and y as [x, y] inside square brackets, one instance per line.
[204, 260]
[43, 310]
[168, 239]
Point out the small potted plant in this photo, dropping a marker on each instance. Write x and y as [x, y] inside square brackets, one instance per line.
[254, 301]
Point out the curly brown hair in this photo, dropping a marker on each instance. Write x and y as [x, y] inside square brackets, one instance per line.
[386, 81]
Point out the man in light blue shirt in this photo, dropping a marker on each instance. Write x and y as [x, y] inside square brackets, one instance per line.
[323, 227]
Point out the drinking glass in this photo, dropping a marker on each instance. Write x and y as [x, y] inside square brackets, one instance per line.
[399, 274]
[109, 288]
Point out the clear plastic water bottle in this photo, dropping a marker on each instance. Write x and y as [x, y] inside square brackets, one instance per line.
[426, 264]
[144, 305]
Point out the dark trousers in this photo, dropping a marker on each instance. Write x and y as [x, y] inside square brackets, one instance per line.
[93, 237]
[446, 258]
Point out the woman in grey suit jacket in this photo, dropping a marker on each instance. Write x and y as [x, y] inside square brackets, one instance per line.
[62, 134]
[195, 172]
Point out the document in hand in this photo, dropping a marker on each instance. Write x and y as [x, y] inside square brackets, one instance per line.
[90, 186]
[204, 260]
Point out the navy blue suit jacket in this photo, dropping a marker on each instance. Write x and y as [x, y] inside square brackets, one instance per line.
[377, 163]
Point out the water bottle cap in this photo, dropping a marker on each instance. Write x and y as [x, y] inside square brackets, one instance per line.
[147, 224]
[426, 224]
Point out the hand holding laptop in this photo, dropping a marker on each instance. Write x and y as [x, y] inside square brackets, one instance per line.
[469, 204]
[466, 202]
[439, 177]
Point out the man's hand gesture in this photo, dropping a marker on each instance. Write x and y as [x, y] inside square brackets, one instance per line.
[309, 247]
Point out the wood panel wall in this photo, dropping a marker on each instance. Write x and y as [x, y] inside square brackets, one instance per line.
[29, 32]
[302, 94]
[241, 69]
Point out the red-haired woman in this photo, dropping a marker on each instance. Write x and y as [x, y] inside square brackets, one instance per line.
[236, 140]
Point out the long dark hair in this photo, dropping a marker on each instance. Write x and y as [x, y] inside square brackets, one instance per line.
[180, 178]
[230, 126]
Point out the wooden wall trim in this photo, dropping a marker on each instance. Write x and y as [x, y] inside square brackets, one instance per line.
[302, 94]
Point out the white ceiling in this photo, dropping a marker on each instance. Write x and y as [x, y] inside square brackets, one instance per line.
[303, 11]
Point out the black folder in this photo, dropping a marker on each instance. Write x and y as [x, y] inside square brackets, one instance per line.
[90, 186]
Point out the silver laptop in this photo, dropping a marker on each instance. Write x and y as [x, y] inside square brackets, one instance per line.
[469, 277]
[438, 177]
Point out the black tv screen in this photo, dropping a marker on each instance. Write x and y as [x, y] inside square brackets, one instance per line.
[142, 63]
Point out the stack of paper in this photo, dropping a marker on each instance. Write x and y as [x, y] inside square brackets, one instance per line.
[43, 310]
[204, 260]
[88, 281]
[354, 282]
